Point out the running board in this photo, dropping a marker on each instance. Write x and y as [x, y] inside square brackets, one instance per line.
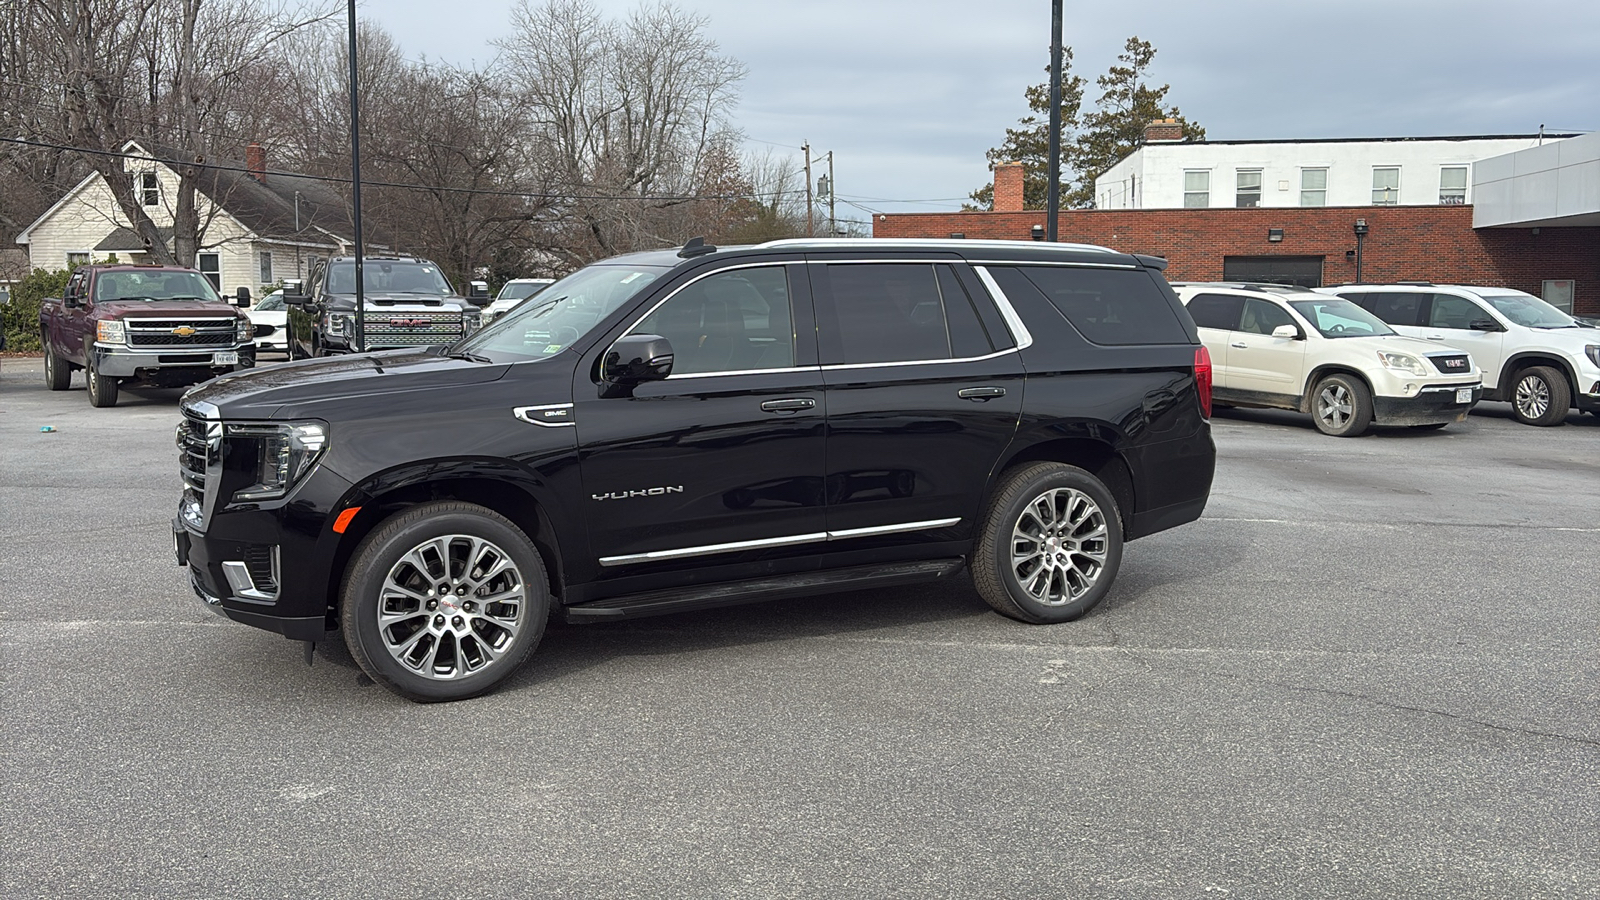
[656, 603]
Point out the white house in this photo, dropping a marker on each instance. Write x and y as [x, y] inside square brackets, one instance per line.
[1168, 173]
[257, 227]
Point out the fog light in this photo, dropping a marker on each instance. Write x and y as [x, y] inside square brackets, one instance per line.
[1410, 389]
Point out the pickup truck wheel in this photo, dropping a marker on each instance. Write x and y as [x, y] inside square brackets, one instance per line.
[1341, 406]
[1050, 546]
[102, 390]
[1540, 397]
[57, 374]
[443, 601]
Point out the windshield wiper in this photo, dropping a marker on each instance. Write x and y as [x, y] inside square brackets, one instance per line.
[469, 356]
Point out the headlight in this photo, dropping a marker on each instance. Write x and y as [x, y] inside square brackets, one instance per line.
[1593, 351]
[244, 330]
[276, 456]
[1402, 362]
[339, 324]
[110, 332]
[471, 321]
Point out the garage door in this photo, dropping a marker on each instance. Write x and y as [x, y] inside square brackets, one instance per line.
[1305, 271]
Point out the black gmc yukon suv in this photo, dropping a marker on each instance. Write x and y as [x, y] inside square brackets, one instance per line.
[677, 430]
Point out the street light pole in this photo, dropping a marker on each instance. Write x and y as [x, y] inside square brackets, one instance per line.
[355, 188]
[1052, 203]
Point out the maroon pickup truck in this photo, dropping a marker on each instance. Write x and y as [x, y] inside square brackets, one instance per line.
[153, 326]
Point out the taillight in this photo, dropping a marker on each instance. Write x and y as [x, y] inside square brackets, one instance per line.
[1202, 378]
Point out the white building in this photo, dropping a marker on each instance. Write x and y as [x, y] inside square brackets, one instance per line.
[1167, 173]
[257, 227]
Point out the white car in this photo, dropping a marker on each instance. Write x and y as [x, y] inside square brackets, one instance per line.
[1534, 356]
[271, 311]
[1290, 348]
[512, 294]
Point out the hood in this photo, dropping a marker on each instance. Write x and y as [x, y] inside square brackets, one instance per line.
[1416, 346]
[297, 389]
[384, 302]
[161, 309]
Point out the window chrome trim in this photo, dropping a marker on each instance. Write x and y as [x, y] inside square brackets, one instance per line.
[1019, 331]
[765, 264]
[834, 367]
[527, 414]
[789, 541]
[787, 370]
[1054, 263]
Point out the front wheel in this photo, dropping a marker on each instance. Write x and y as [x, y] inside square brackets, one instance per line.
[102, 389]
[1541, 397]
[1050, 546]
[1341, 406]
[444, 601]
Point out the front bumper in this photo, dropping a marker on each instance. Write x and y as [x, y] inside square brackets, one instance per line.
[1433, 404]
[119, 361]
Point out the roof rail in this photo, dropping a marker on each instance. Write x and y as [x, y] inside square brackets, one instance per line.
[962, 243]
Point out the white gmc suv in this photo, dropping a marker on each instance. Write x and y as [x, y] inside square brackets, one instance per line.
[1290, 348]
[1534, 356]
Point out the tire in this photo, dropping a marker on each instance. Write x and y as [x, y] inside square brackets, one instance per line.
[57, 374]
[1341, 406]
[1540, 396]
[102, 388]
[421, 654]
[1040, 509]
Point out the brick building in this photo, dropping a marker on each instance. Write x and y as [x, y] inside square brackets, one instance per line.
[1311, 246]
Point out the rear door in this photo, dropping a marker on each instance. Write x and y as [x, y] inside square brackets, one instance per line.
[923, 397]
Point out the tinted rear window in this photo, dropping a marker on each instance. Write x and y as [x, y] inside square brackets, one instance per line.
[1110, 306]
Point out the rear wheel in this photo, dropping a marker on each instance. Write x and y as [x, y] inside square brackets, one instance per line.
[1540, 397]
[444, 601]
[57, 374]
[1341, 406]
[1051, 544]
[102, 389]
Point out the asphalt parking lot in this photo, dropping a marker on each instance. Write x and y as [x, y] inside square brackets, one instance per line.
[1369, 671]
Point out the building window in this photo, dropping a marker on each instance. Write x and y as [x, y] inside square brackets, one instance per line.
[1453, 186]
[266, 268]
[1196, 188]
[1313, 187]
[77, 258]
[149, 189]
[211, 267]
[1386, 186]
[1248, 184]
[1558, 292]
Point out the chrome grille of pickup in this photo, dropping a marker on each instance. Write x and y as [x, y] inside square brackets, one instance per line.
[1452, 364]
[181, 333]
[199, 456]
[411, 329]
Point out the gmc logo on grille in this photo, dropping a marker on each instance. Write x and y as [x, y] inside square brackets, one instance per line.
[1455, 364]
[409, 323]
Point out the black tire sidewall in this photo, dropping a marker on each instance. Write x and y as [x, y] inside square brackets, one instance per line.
[1556, 387]
[102, 390]
[1004, 517]
[379, 552]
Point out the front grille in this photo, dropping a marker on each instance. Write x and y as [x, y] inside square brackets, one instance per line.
[412, 329]
[160, 333]
[199, 457]
[1453, 364]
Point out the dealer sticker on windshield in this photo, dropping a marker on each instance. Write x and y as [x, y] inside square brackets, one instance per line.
[553, 348]
[1463, 395]
[225, 359]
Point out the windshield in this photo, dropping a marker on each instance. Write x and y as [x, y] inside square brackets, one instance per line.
[388, 277]
[562, 314]
[155, 284]
[1336, 317]
[270, 303]
[521, 290]
[1529, 311]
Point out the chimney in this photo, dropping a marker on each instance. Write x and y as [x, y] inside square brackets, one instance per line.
[255, 159]
[1008, 187]
[1163, 131]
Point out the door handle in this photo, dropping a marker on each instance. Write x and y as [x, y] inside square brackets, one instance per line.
[790, 405]
[1240, 344]
[981, 393]
[1435, 337]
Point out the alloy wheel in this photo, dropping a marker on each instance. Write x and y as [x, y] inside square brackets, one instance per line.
[451, 607]
[1532, 397]
[1059, 545]
[1334, 405]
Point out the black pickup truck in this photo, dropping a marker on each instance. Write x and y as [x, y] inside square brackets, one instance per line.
[678, 430]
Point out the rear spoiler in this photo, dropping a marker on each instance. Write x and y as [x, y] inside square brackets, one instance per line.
[1159, 263]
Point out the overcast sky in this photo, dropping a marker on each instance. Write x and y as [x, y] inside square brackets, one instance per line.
[908, 94]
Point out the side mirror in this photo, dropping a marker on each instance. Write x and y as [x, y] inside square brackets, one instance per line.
[1484, 325]
[478, 292]
[637, 358]
[1286, 332]
[70, 302]
[292, 295]
[241, 297]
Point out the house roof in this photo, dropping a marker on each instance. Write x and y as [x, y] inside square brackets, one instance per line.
[123, 238]
[267, 207]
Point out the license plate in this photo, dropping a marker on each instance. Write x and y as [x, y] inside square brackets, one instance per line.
[225, 359]
[1463, 395]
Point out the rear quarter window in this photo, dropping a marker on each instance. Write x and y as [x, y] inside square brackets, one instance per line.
[1110, 306]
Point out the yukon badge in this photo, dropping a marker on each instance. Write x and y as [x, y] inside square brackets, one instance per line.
[644, 492]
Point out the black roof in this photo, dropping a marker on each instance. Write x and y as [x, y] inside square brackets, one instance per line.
[268, 206]
[126, 239]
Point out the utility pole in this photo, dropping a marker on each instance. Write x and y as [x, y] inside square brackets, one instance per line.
[833, 223]
[355, 188]
[1052, 203]
[811, 230]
